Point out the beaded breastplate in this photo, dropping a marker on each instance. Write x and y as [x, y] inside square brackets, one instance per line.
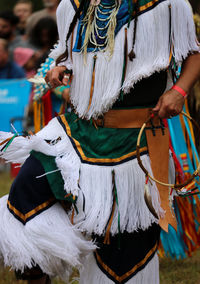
[100, 23]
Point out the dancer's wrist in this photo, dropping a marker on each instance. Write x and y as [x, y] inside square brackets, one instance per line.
[179, 90]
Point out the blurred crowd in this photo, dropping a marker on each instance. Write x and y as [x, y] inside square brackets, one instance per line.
[26, 38]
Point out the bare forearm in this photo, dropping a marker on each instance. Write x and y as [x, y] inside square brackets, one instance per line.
[190, 72]
[171, 102]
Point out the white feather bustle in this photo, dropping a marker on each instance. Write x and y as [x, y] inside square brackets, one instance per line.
[48, 240]
[152, 49]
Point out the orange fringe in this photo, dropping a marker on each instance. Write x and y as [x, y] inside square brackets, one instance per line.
[38, 114]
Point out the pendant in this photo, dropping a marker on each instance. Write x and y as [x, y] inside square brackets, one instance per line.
[148, 201]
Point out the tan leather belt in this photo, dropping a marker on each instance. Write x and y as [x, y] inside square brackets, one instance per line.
[125, 118]
[158, 148]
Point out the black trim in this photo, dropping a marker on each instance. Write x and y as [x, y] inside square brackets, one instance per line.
[122, 261]
[130, 276]
[150, 8]
[32, 216]
[74, 5]
[28, 192]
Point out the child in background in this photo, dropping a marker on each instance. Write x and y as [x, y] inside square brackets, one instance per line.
[22, 9]
[26, 58]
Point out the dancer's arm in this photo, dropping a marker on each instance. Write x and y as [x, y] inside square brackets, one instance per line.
[171, 102]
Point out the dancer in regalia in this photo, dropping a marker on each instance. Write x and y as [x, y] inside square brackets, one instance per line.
[79, 197]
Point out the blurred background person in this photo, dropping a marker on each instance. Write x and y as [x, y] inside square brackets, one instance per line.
[8, 25]
[26, 58]
[49, 10]
[8, 68]
[22, 9]
[43, 37]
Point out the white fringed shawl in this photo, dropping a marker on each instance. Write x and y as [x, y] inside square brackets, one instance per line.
[152, 50]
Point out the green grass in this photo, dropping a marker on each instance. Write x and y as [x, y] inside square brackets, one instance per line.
[185, 271]
[5, 183]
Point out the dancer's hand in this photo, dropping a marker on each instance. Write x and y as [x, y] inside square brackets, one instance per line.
[56, 77]
[170, 104]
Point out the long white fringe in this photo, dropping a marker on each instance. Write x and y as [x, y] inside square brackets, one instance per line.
[64, 13]
[91, 273]
[183, 30]
[66, 158]
[69, 165]
[93, 184]
[97, 189]
[152, 50]
[20, 148]
[48, 240]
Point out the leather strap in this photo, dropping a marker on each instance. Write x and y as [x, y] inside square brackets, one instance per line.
[158, 149]
[123, 118]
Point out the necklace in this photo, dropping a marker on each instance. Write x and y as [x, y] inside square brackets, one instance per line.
[99, 24]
